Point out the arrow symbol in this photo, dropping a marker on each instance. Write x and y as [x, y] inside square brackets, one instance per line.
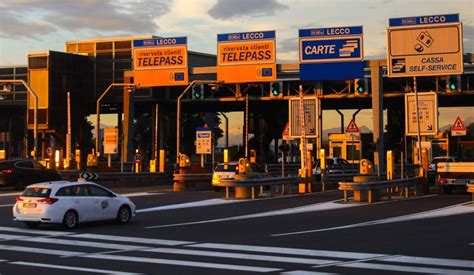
[429, 127]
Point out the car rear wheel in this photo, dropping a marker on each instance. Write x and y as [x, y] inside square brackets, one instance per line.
[32, 224]
[70, 219]
[124, 214]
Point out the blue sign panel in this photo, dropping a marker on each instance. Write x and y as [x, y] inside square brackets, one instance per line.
[169, 41]
[340, 31]
[424, 20]
[242, 36]
[335, 49]
[331, 53]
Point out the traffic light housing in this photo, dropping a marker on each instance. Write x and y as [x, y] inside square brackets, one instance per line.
[452, 84]
[198, 91]
[275, 90]
[359, 86]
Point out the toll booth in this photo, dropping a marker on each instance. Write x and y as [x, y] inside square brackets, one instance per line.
[351, 149]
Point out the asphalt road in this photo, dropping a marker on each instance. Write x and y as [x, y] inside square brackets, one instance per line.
[202, 233]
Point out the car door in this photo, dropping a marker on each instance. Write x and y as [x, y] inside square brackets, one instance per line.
[105, 203]
[26, 172]
[83, 203]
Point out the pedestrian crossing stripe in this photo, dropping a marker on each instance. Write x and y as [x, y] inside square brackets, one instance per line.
[458, 125]
[352, 127]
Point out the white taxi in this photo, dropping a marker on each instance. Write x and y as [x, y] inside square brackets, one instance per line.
[70, 203]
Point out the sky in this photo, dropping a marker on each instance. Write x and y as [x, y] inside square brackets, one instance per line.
[38, 25]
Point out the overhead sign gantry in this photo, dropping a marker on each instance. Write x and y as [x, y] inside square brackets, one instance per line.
[160, 62]
[246, 57]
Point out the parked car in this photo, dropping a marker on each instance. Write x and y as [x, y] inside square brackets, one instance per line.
[335, 166]
[22, 172]
[70, 203]
[433, 166]
[228, 170]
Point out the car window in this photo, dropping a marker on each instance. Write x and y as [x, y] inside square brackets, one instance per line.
[80, 191]
[25, 164]
[96, 191]
[36, 192]
[65, 192]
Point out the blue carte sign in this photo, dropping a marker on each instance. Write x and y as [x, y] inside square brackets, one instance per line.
[331, 53]
[242, 36]
[424, 20]
[154, 42]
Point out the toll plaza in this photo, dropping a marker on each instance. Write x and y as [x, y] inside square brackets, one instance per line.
[170, 102]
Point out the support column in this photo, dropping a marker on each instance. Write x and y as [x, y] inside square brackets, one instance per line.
[377, 113]
[319, 140]
[128, 114]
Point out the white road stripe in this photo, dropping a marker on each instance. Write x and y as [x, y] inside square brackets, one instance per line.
[330, 205]
[304, 272]
[209, 202]
[180, 263]
[240, 256]
[6, 205]
[36, 232]
[10, 194]
[12, 237]
[140, 194]
[2, 260]
[411, 269]
[39, 250]
[289, 251]
[436, 213]
[73, 268]
[430, 261]
[86, 244]
[129, 239]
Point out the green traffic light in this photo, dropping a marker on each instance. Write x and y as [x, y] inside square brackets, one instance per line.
[452, 86]
[360, 86]
[197, 92]
[276, 89]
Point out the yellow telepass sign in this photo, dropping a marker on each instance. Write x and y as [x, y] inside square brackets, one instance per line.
[160, 62]
[425, 46]
[246, 57]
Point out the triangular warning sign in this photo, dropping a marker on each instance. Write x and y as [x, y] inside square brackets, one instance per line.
[352, 127]
[458, 125]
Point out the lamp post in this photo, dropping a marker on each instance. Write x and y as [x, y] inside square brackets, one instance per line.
[35, 116]
[97, 127]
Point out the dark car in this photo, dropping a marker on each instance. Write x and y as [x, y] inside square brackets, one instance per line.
[22, 172]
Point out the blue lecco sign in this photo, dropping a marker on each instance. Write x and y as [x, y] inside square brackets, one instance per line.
[331, 53]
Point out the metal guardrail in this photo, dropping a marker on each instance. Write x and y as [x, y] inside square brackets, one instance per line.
[122, 179]
[470, 189]
[192, 177]
[257, 182]
[192, 181]
[370, 187]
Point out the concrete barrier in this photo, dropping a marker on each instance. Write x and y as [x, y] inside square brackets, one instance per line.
[246, 188]
[192, 181]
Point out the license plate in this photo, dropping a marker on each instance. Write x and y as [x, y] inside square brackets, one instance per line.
[29, 205]
[462, 181]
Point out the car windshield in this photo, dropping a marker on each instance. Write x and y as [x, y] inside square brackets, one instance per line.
[222, 168]
[36, 192]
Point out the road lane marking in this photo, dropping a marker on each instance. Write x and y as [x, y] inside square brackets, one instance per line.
[39, 250]
[10, 194]
[210, 202]
[9, 237]
[240, 256]
[32, 231]
[457, 209]
[288, 251]
[6, 205]
[85, 243]
[411, 269]
[181, 263]
[129, 239]
[140, 194]
[304, 272]
[73, 268]
[430, 261]
[323, 206]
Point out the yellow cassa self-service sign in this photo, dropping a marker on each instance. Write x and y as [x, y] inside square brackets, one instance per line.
[246, 57]
[160, 62]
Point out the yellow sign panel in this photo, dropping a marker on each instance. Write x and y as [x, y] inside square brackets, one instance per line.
[160, 62]
[246, 57]
[425, 50]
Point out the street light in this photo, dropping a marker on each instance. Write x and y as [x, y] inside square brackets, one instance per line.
[130, 86]
[7, 88]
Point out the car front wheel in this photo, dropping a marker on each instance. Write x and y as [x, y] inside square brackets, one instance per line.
[70, 219]
[124, 214]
